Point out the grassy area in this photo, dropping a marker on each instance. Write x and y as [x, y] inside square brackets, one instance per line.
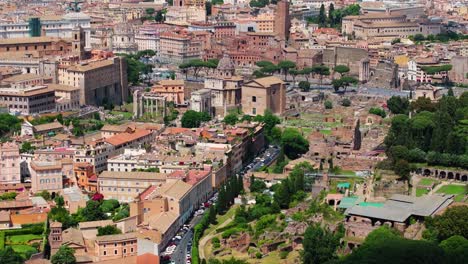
[458, 190]
[452, 189]
[24, 250]
[427, 181]
[421, 191]
[126, 115]
[19, 239]
[220, 219]
[325, 131]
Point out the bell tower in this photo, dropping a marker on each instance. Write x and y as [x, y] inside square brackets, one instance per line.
[78, 42]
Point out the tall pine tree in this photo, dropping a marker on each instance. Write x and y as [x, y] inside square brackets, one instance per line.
[322, 16]
[331, 15]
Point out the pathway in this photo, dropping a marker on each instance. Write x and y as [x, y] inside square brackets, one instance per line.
[205, 239]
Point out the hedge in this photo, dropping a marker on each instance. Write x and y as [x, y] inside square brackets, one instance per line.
[2, 240]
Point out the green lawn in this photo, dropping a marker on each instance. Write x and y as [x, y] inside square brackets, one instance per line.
[24, 250]
[19, 239]
[427, 181]
[458, 190]
[220, 219]
[452, 189]
[325, 131]
[421, 192]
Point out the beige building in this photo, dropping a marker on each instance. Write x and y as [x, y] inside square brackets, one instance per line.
[125, 186]
[99, 81]
[10, 163]
[67, 97]
[200, 101]
[261, 94]
[225, 87]
[179, 47]
[385, 25]
[115, 246]
[46, 175]
[173, 90]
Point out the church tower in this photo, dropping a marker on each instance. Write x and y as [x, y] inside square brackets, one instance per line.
[78, 42]
[283, 20]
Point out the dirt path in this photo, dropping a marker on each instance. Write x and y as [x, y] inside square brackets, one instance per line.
[205, 239]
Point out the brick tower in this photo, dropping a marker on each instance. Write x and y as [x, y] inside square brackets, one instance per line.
[283, 21]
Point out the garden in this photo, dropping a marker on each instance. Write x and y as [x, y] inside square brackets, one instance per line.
[25, 241]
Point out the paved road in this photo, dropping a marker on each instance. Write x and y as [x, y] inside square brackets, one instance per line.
[180, 253]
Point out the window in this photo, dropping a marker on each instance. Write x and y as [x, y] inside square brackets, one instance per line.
[254, 99]
[131, 250]
[115, 252]
[254, 111]
[125, 251]
[105, 253]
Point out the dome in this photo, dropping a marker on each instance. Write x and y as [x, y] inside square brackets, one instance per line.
[225, 64]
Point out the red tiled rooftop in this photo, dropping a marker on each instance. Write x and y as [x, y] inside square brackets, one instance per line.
[126, 137]
[194, 176]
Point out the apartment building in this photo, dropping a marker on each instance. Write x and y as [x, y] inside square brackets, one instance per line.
[46, 175]
[179, 46]
[28, 101]
[67, 97]
[125, 186]
[147, 37]
[100, 81]
[99, 151]
[10, 160]
[111, 247]
[85, 176]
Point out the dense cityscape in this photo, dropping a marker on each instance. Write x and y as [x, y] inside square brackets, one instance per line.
[233, 131]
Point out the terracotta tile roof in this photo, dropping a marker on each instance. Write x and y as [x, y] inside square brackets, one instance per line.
[73, 235]
[268, 81]
[194, 176]
[162, 221]
[126, 137]
[94, 224]
[48, 126]
[21, 219]
[112, 238]
[15, 204]
[172, 82]
[92, 65]
[176, 189]
[134, 175]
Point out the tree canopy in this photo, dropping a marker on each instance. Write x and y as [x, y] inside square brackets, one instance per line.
[192, 119]
[451, 223]
[8, 255]
[320, 245]
[398, 105]
[108, 230]
[293, 143]
[64, 255]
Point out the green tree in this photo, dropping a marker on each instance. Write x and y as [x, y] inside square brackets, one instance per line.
[192, 119]
[346, 102]
[328, 104]
[321, 70]
[377, 111]
[282, 194]
[402, 169]
[304, 86]
[108, 230]
[8, 124]
[285, 66]
[258, 186]
[64, 255]
[150, 11]
[44, 194]
[231, 119]
[8, 255]
[108, 206]
[331, 15]
[293, 143]
[322, 16]
[451, 223]
[27, 147]
[93, 212]
[306, 72]
[212, 215]
[423, 104]
[398, 105]
[319, 245]
[456, 249]
[341, 69]
[59, 201]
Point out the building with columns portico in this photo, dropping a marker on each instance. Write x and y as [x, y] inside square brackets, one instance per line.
[225, 87]
[148, 104]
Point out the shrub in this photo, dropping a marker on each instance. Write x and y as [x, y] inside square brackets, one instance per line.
[346, 102]
[2, 240]
[328, 104]
[258, 255]
[283, 254]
